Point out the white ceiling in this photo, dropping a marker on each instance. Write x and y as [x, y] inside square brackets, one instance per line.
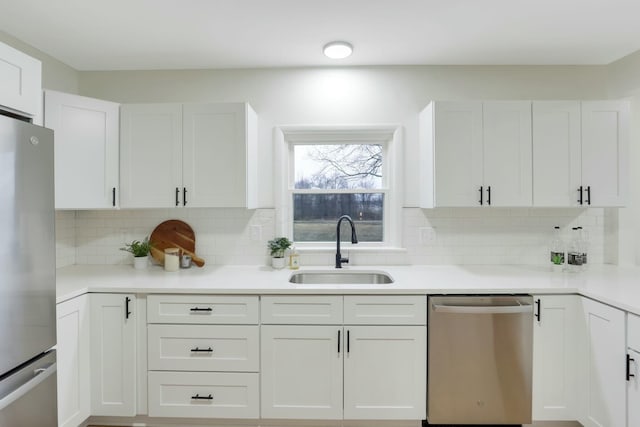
[187, 34]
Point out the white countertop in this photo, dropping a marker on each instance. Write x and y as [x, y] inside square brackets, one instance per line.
[616, 286]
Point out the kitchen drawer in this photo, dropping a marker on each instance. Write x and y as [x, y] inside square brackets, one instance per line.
[301, 310]
[221, 395]
[203, 348]
[205, 309]
[633, 331]
[385, 310]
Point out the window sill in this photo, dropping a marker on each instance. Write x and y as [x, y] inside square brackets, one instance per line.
[351, 249]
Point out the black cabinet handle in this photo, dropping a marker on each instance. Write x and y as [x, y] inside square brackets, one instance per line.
[177, 196]
[184, 196]
[127, 313]
[588, 194]
[198, 397]
[580, 192]
[113, 197]
[481, 194]
[197, 309]
[338, 340]
[348, 341]
[629, 374]
[538, 312]
[489, 195]
[202, 350]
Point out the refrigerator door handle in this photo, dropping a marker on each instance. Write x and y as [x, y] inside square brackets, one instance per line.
[39, 376]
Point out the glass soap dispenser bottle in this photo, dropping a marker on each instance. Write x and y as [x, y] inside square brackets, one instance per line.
[557, 250]
[294, 259]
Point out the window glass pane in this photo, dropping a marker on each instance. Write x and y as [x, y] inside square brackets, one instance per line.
[315, 216]
[346, 166]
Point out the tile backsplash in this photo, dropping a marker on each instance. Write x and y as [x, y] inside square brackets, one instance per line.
[430, 236]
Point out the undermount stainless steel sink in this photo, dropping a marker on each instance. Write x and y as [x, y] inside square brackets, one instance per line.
[341, 278]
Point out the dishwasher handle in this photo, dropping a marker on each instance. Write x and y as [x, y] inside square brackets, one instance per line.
[483, 309]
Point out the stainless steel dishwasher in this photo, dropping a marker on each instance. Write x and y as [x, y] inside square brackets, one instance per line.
[480, 359]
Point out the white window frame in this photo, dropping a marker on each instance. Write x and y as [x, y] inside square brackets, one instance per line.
[389, 136]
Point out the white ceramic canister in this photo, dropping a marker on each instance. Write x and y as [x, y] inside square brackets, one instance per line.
[171, 259]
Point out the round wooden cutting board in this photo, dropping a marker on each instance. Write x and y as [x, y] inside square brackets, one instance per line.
[174, 234]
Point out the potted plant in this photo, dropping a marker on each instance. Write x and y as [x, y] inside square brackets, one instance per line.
[277, 247]
[140, 251]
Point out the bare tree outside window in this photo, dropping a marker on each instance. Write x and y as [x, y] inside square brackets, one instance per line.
[354, 171]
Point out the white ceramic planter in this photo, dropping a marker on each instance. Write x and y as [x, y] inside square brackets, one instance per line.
[140, 262]
[278, 263]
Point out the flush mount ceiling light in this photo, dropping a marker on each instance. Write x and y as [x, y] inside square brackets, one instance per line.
[337, 50]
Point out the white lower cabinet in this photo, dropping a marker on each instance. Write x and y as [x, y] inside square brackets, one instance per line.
[555, 352]
[203, 356]
[301, 368]
[113, 355]
[385, 373]
[604, 383]
[203, 395]
[73, 361]
[633, 372]
[372, 370]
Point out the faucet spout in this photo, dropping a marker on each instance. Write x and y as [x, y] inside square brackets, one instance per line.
[354, 239]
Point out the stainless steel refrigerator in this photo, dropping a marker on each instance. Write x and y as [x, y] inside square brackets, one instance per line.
[27, 276]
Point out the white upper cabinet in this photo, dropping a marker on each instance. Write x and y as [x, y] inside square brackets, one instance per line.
[580, 153]
[605, 150]
[451, 153]
[214, 153]
[476, 154]
[507, 153]
[86, 150]
[556, 153]
[192, 155]
[150, 155]
[20, 82]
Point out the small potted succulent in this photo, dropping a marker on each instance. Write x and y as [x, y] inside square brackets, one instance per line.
[278, 246]
[140, 251]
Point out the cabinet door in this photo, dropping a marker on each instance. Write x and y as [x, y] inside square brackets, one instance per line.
[556, 153]
[457, 153]
[605, 151]
[73, 361]
[113, 355]
[215, 155]
[605, 384]
[301, 370]
[556, 345]
[385, 374]
[86, 150]
[507, 174]
[151, 155]
[633, 389]
[20, 81]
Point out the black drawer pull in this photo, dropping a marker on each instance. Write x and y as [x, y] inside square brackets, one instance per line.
[202, 350]
[198, 397]
[198, 309]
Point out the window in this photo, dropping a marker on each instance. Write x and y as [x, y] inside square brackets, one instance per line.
[331, 180]
[339, 172]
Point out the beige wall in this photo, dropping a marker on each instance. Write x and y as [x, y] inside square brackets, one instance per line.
[55, 74]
